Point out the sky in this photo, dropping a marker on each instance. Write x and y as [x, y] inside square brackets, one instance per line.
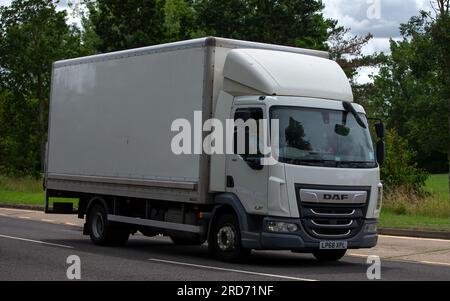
[382, 18]
[359, 16]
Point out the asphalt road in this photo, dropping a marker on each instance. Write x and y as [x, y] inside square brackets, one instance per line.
[38, 250]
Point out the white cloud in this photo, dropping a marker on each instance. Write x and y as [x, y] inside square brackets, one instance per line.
[364, 74]
[378, 45]
[353, 14]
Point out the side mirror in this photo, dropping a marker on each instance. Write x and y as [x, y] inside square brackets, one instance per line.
[254, 162]
[379, 129]
[380, 152]
[341, 130]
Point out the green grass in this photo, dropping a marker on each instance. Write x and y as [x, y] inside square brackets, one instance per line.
[438, 185]
[13, 197]
[401, 209]
[23, 191]
[402, 201]
[418, 222]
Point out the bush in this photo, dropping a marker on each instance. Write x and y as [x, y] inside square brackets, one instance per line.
[400, 169]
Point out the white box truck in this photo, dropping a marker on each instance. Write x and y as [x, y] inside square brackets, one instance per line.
[112, 125]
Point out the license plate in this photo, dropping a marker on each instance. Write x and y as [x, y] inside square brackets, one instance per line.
[333, 245]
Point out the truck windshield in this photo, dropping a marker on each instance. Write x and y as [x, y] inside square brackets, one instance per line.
[321, 137]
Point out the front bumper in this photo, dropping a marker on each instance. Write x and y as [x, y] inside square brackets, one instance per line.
[302, 241]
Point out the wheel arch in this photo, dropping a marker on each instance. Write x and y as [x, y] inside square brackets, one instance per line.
[229, 203]
[96, 200]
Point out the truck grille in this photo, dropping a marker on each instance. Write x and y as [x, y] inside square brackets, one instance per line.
[332, 220]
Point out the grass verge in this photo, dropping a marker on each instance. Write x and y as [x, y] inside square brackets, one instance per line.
[403, 209]
[416, 222]
[24, 191]
[403, 202]
[438, 185]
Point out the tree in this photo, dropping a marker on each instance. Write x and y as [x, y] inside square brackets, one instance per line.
[400, 168]
[408, 92]
[440, 33]
[347, 51]
[32, 36]
[285, 22]
[180, 21]
[127, 24]
[124, 24]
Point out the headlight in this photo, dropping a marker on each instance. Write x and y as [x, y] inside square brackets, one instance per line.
[281, 227]
[371, 228]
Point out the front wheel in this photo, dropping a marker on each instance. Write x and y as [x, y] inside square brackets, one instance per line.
[225, 239]
[329, 255]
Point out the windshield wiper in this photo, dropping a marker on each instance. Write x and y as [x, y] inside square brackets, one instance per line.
[356, 164]
[311, 162]
[349, 108]
[330, 163]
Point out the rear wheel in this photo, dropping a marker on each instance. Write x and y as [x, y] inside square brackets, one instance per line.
[329, 255]
[102, 232]
[225, 239]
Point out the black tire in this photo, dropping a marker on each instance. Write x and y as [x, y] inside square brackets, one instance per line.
[224, 241]
[102, 232]
[329, 255]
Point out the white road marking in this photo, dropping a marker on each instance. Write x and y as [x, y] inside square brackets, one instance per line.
[36, 241]
[2, 214]
[70, 224]
[20, 210]
[358, 255]
[436, 263]
[229, 270]
[47, 220]
[415, 238]
[24, 217]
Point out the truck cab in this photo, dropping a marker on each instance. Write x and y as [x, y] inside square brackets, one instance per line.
[322, 192]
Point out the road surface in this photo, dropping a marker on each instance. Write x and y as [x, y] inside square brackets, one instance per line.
[34, 246]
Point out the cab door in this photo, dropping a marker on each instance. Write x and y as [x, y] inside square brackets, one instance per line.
[246, 177]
